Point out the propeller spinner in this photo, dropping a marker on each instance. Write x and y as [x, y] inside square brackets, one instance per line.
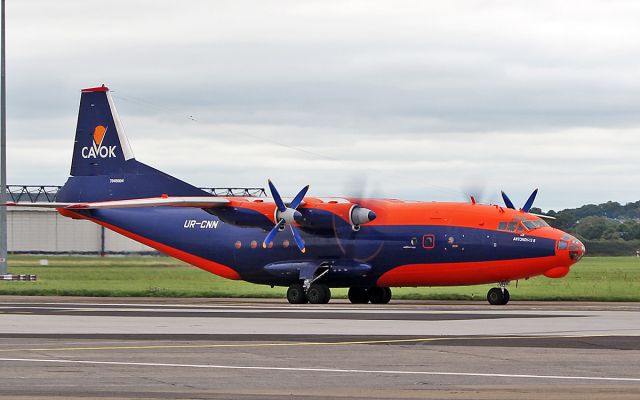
[286, 216]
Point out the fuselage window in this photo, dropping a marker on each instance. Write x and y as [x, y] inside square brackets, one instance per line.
[414, 241]
[511, 227]
[428, 241]
[562, 245]
[502, 226]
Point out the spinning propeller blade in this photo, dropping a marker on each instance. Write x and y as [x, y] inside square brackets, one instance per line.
[297, 238]
[286, 216]
[507, 201]
[272, 234]
[527, 205]
[298, 199]
[276, 197]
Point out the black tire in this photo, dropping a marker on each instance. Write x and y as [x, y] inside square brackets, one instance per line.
[319, 294]
[296, 294]
[495, 297]
[379, 295]
[327, 295]
[506, 297]
[358, 295]
[387, 295]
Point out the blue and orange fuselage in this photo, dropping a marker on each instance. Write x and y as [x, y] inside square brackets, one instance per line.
[408, 244]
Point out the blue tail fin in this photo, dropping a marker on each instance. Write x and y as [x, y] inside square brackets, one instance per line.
[103, 166]
[101, 147]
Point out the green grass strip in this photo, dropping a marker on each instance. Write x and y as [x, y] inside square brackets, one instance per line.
[593, 279]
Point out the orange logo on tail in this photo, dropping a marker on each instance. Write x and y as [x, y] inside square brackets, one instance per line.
[98, 134]
[98, 150]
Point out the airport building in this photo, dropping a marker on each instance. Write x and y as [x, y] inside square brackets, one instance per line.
[45, 231]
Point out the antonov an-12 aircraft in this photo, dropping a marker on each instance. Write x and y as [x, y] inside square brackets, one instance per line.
[310, 244]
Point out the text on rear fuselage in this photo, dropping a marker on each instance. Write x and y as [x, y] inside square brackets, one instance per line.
[195, 224]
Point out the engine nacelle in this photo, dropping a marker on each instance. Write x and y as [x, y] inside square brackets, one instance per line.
[360, 215]
[316, 219]
[241, 217]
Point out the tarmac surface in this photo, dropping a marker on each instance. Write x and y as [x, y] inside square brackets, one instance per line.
[140, 348]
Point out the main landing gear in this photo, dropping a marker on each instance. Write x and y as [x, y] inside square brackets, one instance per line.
[375, 295]
[498, 296]
[316, 294]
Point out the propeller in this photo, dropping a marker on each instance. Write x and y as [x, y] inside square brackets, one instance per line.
[352, 242]
[286, 216]
[527, 205]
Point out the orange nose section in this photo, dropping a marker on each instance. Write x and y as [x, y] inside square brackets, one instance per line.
[569, 251]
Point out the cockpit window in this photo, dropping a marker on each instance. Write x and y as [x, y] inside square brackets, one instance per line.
[534, 224]
[520, 226]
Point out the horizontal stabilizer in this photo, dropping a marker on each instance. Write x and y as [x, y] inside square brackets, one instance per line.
[196, 202]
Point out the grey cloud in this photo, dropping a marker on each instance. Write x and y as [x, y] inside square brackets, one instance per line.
[418, 95]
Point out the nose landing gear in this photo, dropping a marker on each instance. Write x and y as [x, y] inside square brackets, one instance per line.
[499, 296]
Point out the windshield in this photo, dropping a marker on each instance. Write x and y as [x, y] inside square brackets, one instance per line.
[534, 224]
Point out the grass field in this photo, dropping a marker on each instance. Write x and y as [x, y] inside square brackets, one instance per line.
[594, 278]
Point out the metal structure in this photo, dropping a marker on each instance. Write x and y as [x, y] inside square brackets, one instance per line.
[236, 192]
[32, 193]
[47, 193]
[3, 150]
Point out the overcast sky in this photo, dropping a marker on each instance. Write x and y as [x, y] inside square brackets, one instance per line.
[408, 99]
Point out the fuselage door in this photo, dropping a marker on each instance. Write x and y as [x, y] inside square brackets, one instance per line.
[428, 241]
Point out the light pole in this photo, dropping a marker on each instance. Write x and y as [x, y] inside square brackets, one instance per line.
[3, 152]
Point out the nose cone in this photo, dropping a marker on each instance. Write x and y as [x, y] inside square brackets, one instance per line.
[576, 249]
[569, 251]
[571, 246]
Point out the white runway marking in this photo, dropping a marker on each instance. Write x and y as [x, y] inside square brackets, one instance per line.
[329, 370]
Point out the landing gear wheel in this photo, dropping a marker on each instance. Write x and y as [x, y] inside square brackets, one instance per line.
[498, 296]
[506, 297]
[379, 295]
[358, 295]
[387, 295]
[318, 294]
[296, 295]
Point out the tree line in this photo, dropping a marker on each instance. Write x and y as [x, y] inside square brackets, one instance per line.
[609, 228]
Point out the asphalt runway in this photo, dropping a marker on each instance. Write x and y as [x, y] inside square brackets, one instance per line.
[114, 348]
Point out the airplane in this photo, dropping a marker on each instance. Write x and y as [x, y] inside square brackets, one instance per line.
[308, 244]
